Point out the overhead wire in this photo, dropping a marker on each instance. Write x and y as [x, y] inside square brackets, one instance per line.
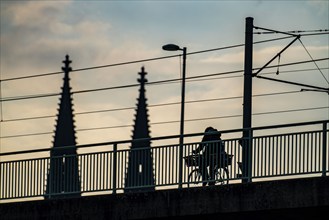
[128, 108]
[174, 121]
[151, 83]
[291, 32]
[139, 61]
[151, 106]
[314, 61]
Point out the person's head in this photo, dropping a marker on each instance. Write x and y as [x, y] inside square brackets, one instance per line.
[209, 129]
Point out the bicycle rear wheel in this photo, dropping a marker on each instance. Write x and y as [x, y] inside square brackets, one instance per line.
[194, 177]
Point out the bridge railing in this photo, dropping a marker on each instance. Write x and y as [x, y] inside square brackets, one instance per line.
[277, 152]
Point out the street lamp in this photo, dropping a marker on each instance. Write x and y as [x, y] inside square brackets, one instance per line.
[173, 47]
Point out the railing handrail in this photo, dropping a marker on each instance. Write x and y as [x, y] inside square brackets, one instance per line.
[164, 137]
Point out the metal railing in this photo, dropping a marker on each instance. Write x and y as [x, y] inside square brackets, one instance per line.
[277, 152]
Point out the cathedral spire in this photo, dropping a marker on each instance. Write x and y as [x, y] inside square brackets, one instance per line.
[63, 176]
[140, 165]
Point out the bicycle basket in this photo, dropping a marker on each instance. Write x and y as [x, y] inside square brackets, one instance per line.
[192, 160]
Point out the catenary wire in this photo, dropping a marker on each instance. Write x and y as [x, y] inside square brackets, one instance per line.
[143, 60]
[155, 82]
[152, 105]
[174, 121]
[309, 54]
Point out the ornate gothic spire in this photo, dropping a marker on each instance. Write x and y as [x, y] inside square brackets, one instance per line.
[63, 176]
[140, 165]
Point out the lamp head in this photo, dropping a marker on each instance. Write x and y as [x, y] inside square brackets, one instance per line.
[171, 47]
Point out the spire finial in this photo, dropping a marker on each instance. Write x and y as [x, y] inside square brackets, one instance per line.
[142, 80]
[67, 62]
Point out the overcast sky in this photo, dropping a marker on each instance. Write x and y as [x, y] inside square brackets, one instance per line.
[36, 35]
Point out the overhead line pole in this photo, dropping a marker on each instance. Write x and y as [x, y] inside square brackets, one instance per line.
[247, 103]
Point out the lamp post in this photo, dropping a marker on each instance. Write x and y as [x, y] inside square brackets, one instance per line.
[173, 47]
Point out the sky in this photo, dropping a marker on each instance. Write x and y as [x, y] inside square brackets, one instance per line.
[35, 36]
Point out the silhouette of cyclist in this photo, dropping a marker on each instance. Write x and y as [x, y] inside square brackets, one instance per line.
[213, 151]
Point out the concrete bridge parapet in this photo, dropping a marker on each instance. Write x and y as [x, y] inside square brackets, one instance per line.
[285, 199]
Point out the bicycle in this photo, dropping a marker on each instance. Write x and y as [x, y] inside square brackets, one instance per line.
[221, 169]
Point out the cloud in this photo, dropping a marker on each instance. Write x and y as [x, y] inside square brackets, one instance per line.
[320, 6]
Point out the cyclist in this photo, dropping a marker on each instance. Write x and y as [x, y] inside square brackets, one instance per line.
[211, 154]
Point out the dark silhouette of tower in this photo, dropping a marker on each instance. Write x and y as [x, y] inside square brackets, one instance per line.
[63, 175]
[139, 175]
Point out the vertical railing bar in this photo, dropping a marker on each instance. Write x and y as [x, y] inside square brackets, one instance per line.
[256, 140]
[277, 156]
[11, 179]
[97, 160]
[300, 153]
[18, 179]
[307, 153]
[165, 162]
[162, 162]
[1, 183]
[311, 149]
[298, 156]
[103, 176]
[318, 153]
[5, 179]
[114, 170]
[28, 176]
[261, 157]
[25, 180]
[11, 183]
[288, 153]
[108, 171]
[315, 157]
[37, 172]
[292, 153]
[155, 168]
[272, 154]
[122, 159]
[324, 149]
[82, 173]
[296, 153]
[170, 166]
[284, 154]
[276, 159]
[42, 180]
[264, 143]
[33, 175]
[87, 172]
[261, 165]
[304, 150]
